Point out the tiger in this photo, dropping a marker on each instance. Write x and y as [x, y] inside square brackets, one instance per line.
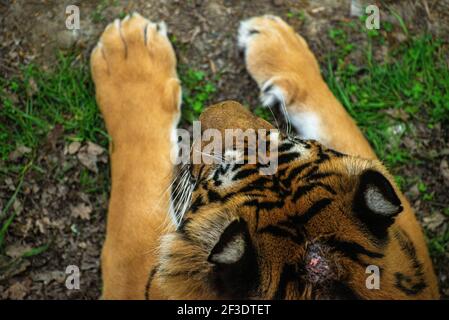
[320, 227]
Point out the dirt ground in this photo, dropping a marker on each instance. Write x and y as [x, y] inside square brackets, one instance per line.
[73, 222]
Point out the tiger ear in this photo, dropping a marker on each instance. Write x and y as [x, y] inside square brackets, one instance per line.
[376, 202]
[234, 259]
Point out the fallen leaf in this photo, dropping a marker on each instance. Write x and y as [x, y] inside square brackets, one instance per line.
[88, 156]
[18, 153]
[17, 250]
[444, 168]
[434, 221]
[17, 206]
[18, 290]
[94, 149]
[413, 192]
[54, 135]
[40, 225]
[398, 114]
[32, 87]
[74, 147]
[49, 276]
[18, 268]
[81, 211]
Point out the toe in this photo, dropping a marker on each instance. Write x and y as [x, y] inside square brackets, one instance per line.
[112, 40]
[133, 29]
[98, 63]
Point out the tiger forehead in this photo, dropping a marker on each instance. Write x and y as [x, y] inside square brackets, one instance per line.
[307, 172]
[290, 154]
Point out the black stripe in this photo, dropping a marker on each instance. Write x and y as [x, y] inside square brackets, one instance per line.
[150, 279]
[245, 173]
[283, 233]
[351, 249]
[303, 190]
[322, 156]
[409, 284]
[316, 208]
[258, 184]
[213, 196]
[295, 172]
[335, 153]
[286, 146]
[287, 157]
[322, 175]
[196, 204]
[406, 285]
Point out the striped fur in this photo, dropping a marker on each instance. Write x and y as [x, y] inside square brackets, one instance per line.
[302, 229]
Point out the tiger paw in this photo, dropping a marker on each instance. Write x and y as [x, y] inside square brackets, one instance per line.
[134, 70]
[277, 58]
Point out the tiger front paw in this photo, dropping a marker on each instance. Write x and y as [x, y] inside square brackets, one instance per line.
[134, 70]
[278, 59]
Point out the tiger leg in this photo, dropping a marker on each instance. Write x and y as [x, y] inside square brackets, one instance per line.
[138, 92]
[286, 70]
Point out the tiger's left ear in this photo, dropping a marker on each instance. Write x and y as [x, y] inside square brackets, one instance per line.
[376, 202]
[235, 267]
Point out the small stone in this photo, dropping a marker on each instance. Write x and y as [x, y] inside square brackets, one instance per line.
[74, 147]
[66, 39]
[444, 168]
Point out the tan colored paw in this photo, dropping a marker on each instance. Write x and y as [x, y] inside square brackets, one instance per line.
[134, 70]
[277, 58]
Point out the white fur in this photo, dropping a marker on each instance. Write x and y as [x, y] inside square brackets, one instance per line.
[232, 252]
[162, 28]
[302, 150]
[244, 34]
[377, 202]
[308, 125]
[272, 96]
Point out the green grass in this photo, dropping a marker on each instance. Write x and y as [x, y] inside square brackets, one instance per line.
[264, 113]
[197, 91]
[37, 101]
[296, 14]
[387, 96]
[438, 245]
[413, 80]
[33, 104]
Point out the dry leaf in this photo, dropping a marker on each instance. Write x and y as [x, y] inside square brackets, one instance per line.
[444, 167]
[95, 149]
[49, 276]
[18, 290]
[18, 153]
[88, 156]
[73, 147]
[17, 250]
[398, 114]
[32, 87]
[434, 221]
[81, 211]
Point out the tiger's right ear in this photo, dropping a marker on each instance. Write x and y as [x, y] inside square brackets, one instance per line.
[235, 267]
[376, 202]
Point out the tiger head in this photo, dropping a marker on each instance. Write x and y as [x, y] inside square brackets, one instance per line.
[311, 230]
